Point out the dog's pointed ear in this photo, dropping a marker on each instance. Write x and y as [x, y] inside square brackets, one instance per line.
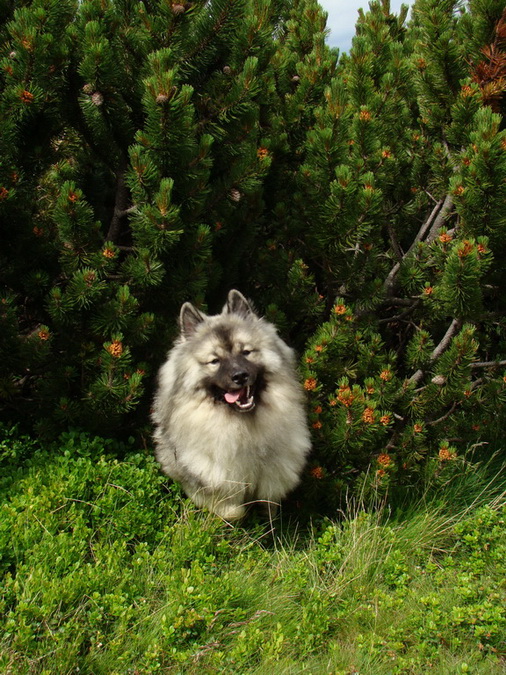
[189, 319]
[237, 304]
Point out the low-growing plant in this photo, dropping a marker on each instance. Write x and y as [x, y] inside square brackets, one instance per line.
[106, 569]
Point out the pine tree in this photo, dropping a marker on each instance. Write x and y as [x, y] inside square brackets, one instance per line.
[155, 152]
[404, 177]
[303, 65]
[136, 144]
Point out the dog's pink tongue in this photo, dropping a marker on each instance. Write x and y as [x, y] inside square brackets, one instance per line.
[232, 396]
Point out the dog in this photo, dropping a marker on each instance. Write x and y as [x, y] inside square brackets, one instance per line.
[229, 414]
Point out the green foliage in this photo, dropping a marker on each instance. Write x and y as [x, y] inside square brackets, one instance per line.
[155, 152]
[105, 570]
[403, 198]
[135, 149]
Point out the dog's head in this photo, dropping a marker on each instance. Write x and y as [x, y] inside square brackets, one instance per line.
[234, 350]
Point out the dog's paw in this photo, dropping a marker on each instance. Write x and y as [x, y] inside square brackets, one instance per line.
[229, 512]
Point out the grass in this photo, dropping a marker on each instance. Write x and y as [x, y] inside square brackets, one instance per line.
[106, 569]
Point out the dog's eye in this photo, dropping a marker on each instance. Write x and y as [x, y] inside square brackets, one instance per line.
[246, 352]
[214, 362]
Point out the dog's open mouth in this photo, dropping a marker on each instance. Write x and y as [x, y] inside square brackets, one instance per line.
[243, 399]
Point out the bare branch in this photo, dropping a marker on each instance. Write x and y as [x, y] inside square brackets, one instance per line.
[394, 243]
[399, 317]
[439, 349]
[440, 219]
[433, 223]
[488, 364]
[444, 417]
[120, 204]
[389, 281]
[427, 225]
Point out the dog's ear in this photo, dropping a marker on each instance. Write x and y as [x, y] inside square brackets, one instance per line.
[189, 319]
[237, 304]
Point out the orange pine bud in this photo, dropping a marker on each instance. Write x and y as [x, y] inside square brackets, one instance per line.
[384, 459]
[26, 97]
[368, 416]
[445, 238]
[310, 384]
[317, 472]
[115, 349]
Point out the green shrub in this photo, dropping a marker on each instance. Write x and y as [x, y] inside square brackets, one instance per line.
[402, 193]
[136, 146]
[106, 569]
[155, 153]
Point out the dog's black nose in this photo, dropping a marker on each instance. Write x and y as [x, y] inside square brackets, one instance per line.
[240, 377]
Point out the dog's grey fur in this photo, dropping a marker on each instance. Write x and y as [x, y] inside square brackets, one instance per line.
[229, 415]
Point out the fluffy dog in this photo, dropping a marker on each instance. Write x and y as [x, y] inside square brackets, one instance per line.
[230, 423]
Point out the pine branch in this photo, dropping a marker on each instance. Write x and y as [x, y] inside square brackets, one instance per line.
[488, 364]
[401, 315]
[409, 303]
[480, 364]
[210, 35]
[120, 203]
[444, 417]
[432, 225]
[440, 219]
[441, 347]
[394, 243]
